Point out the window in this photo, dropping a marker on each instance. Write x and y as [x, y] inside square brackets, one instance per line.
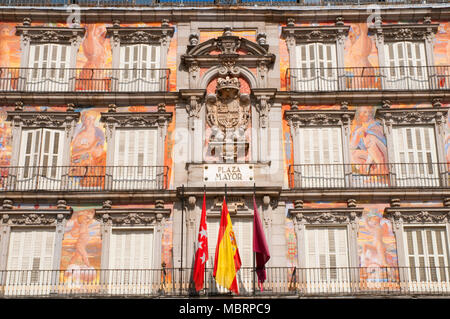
[321, 158]
[415, 156]
[40, 158]
[135, 158]
[317, 67]
[48, 65]
[327, 254]
[426, 254]
[131, 261]
[407, 65]
[140, 64]
[243, 230]
[30, 257]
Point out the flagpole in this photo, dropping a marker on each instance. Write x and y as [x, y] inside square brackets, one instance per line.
[182, 224]
[204, 270]
[254, 254]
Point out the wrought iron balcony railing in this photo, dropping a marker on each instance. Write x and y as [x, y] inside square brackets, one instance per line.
[201, 3]
[409, 78]
[281, 281]
[363, 176]
[82, 178]
[85, 80]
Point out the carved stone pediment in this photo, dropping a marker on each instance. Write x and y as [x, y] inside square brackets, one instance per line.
[413, 115]
[233, 50]
[132, 217]
[33, 217]
[417, 215]
[41, 34]
[404, 32]
[42, 119]
[144, 35]
[134, 119]
[308, 34]
[300, 118]
[327, 216]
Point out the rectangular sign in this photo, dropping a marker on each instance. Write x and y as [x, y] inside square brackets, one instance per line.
[228, 172]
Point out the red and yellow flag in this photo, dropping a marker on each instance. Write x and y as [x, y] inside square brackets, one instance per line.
[227, 261]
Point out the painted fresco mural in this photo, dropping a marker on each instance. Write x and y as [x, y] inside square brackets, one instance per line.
[81, 248]
[82, 242]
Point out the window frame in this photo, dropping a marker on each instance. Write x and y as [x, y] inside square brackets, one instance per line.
[416, 217]
[434, 116]
[114, 121]
[55, 219]
[337, 33]
[298, 119]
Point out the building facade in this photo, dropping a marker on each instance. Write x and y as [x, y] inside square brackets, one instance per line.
[118, 116]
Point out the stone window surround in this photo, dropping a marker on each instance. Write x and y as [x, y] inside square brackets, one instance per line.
[132, 218]
[33, 218]
[404, 32]
[435, 116]
[44, 34]
[318, 118]
[54, 120]
[315, 34]
[113, 120]
[401, 217]
[140, 35]
[327, 217]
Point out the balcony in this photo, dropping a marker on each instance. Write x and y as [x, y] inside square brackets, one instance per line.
[369, 176]
[281, 281]
[394, 79]
[202, 3]
[82, 178]
[83, 80]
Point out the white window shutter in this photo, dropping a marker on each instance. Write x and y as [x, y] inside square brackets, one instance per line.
[415, 153]
[31, 248]
[131, 249]
[426, 253]
[213, 225]
[326, 247]
[243, 230]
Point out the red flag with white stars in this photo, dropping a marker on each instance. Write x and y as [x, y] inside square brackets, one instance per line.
[201, 255]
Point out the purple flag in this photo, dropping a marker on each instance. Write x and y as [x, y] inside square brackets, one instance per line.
[259, 246]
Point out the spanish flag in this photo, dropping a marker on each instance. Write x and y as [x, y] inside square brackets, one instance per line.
[227, 261]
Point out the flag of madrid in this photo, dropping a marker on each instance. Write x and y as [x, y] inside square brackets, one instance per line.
[201, 255]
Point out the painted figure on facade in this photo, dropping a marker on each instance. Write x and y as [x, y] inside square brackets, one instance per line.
[357, 54]
[377, 246]
[88, 150]
[368, 143]
[95, 51]
[79, 234]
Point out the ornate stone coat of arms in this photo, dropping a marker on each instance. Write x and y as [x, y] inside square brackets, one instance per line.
[228, 109]
[228, 114]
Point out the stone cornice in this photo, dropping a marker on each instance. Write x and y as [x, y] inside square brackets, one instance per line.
[136, 119]
[413, 115]
[270, 14]
[308, 34]
[135, 35]
[418, 215]
[405, 31]
[43, 119]
[327, 216]
[299, 118]
[132, 216]
[34, 217]
[41, 34]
